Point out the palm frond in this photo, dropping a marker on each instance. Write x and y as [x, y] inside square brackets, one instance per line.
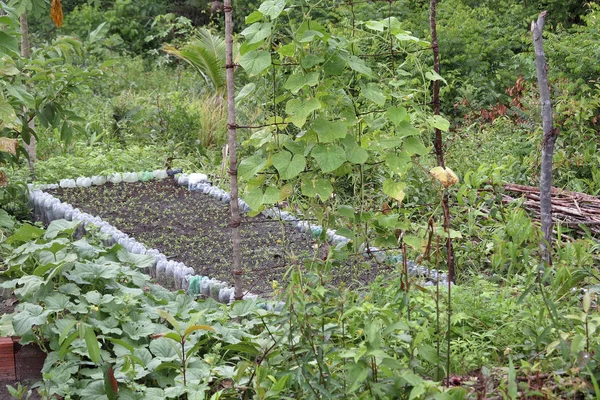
[206, 53]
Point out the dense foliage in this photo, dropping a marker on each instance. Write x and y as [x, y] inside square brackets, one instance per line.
[336, 101]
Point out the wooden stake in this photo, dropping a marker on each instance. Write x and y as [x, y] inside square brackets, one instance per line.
[548, 140]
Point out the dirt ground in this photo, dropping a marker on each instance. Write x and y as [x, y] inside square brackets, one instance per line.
[192, 228]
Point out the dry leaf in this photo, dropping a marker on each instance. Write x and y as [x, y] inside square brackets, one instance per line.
[9, 145]
[56, 13]
[446, 176]
[3, 179]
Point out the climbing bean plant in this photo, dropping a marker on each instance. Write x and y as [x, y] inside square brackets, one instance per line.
[345, 127]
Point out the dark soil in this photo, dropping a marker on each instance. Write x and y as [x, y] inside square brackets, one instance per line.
[192, 228]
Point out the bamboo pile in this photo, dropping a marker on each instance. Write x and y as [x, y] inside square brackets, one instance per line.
[572, 209]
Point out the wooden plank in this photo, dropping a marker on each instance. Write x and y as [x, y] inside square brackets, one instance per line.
[7, 360]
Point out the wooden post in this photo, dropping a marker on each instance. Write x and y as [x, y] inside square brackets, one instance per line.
[237, 270]
[548, 139]
[438, 143]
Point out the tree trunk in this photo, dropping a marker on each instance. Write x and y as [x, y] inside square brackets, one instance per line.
[237, 269]
[438, 141]
[30, 147]
[548, 139]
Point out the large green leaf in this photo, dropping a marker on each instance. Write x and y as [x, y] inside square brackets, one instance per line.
[393, 189]
[359, 65]
[59, 226]
[357, 155]
[328, 131]
[334, 65]
[405, 128]
[398, 163]
[255, 61]
[299, 110]
[136, 260]
[439, 122]
[328, 156]
[272, 8]
[297, 81]
[413, 145]
[256, 197]
[257, 32]
[287, 165]
[8, 43]
[30, 315]
[373, 92]
[251, 166]
[317, 187]
[397, 115]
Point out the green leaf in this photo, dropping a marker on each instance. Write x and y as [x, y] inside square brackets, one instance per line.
[398, 163]
[373, 92]
[354, 153]
[346, 211]
[256, 198]
[254, 62]
[310, 61]
[245, 92]
[397, 115]
[317, 187]
[328, 156]
[136, 260]
[20, 93]
[163, 349]
[375, 25]
[434, 76]
[271, 195]
[30, 315]
[254, 17]
[92, 344]
[393, 189]
[257, 32]
[328, 131]
[439, 122]
[59, 226]
[357, 155]
[287, 50]
[413, 145]
[169, 318]
[405, 128]
[359, 66]
[297, 81]
[9, 70]
[272, 8]
[287, 165]
[357, 373]
[334, 65]
[25, 233]
[8, 43]
[249, 167]
[300, 110]
[242, 308]
[195, 328]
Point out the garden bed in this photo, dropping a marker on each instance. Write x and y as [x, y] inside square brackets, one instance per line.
[192, 228]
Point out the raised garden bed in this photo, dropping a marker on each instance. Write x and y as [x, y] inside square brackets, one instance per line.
[192, 228]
